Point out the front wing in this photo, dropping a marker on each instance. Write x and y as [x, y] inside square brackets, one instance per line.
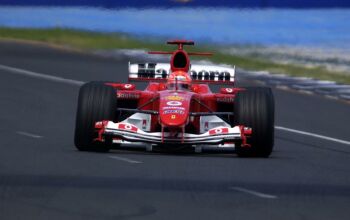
[131, 133]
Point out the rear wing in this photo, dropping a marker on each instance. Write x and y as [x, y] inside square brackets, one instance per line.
[199, 73]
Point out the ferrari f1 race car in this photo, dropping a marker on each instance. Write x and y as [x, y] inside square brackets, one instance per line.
[177, 109]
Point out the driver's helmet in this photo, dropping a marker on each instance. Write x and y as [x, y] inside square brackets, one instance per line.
[179, 80]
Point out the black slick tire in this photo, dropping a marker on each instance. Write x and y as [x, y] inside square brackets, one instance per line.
[96, 102]
[255, 108]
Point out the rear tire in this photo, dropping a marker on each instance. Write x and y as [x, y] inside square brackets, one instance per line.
[96, 102]
[255, 108]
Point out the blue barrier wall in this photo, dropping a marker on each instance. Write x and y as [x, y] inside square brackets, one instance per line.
[190, 3]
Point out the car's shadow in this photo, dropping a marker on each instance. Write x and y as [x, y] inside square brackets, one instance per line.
[186, 152]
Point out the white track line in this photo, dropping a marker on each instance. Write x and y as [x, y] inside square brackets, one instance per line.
[40, 75]
[28, 134]
[79, 83]
[312, 135]
[254, 193]
[125, 159]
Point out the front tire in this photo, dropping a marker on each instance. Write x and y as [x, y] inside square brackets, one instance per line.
[254, 108]
[96, 102]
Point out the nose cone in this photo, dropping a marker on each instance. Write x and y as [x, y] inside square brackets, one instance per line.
[174, 109]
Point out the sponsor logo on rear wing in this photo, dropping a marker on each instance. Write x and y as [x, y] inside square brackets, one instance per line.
[199, 73]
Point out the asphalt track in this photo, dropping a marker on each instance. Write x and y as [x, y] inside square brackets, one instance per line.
[43, 176]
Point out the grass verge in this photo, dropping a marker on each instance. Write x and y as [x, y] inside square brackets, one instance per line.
[92, 41]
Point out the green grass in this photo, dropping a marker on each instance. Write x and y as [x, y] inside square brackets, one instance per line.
[92, 41]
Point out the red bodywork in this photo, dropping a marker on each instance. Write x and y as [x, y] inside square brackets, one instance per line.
[175, 111]
[198, 99]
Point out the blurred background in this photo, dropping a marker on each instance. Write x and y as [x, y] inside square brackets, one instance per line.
[295, 37]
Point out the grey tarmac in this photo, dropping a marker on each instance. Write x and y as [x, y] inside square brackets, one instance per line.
[47, 178]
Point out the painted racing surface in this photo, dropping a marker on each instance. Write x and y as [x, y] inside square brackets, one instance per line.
[44, 177]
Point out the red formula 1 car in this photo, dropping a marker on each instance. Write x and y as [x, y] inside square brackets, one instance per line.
[177, 109]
